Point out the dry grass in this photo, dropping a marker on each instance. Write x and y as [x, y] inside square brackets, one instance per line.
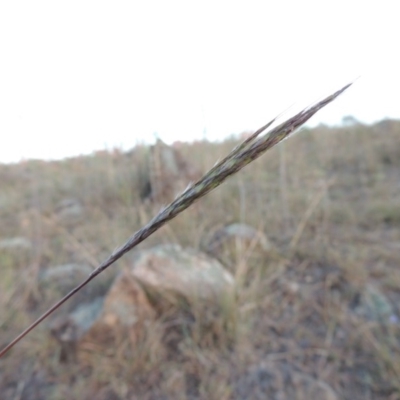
[243, 154]
[331, 211]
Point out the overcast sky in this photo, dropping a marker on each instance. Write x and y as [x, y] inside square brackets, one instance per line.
[76, 76]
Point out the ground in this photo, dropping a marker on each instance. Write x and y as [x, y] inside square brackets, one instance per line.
[327, 199]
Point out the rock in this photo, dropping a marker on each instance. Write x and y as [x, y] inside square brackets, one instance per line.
[169, 173]
[183, 276]
[69, 329]
[125, 309]
[55, 282]
[16, 243]
[64, 277]
[69, 209]
[161, 279]
[242, 232]
[78, 322]
[126, 306]
[375, 306]
[4, 202]
[280, 380]
[307, 387]
[106, 393]
[38, 385]
[232, 241]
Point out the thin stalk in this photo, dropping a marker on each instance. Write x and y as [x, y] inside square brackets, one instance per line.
[249, 150]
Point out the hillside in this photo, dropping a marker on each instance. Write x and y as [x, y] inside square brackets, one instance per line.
[325, 313]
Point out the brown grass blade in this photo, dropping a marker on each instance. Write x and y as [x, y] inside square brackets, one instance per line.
[242, 155]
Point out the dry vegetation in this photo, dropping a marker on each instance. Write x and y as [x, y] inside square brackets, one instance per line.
[328, 199]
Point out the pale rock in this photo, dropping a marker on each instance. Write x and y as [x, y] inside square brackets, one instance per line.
[238, 232]
[55, 282]
[280, 380]
[15, 243]
[64, 277]
[233, 241]
[72, 327]
[166, 274]
[169, 172]
[178, 276]
[307, 387]
[375, 306]
[69, 209]
[126, 303]
[124, 310]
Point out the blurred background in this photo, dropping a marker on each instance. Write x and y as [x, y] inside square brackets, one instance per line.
[84, 76]
[283, 283]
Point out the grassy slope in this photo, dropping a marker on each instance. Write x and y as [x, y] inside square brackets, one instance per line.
[336, 191]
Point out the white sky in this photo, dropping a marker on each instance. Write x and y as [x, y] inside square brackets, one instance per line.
[82, 75]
